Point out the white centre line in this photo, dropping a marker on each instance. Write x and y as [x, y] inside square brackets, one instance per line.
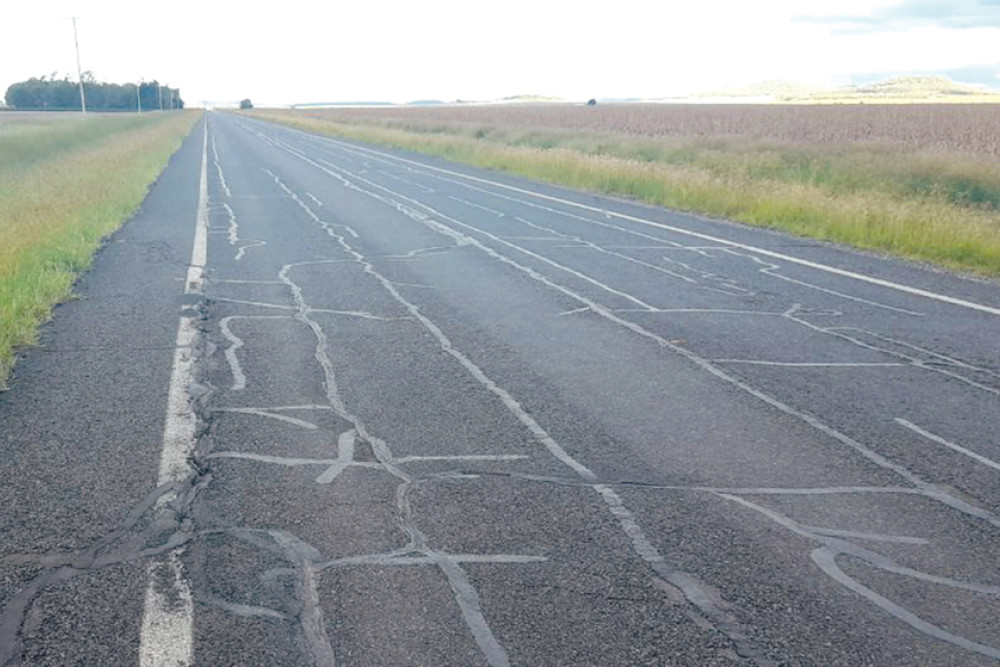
[167, 637]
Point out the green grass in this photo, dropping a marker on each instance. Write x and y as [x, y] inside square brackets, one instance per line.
[914, 201]
[65, 183]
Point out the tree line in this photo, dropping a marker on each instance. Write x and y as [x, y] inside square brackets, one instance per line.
[62, 94]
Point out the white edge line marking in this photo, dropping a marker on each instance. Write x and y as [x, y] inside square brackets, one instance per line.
[714, 239]
[950, 445]
[166, 638]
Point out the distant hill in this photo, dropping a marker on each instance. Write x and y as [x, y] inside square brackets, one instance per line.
[531, 98]
[359, 103]
[899, 89]
[781, 90]
[916, 86]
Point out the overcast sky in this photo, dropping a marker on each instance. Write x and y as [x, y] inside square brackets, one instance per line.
[296, 51]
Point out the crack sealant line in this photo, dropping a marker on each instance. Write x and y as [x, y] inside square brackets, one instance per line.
[270, 415]
[607, 313]
[516, 247]
[990, 463]
[218, 167]
[825, 558]
[167, 635]
[233, 230]
[929, 488]
[239, 379]
[465, 594]
[310, 616]
[379, 447]
[703, 363]
[837, 332]
[705, 237]
[670, 244]
[771, 270]
[945, 360]
[593, 246]
[694, 591]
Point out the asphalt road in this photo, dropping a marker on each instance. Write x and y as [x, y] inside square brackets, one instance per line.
[325, 403]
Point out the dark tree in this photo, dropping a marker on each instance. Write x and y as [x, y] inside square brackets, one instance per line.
[591, 102]
[246, 104]
[62, 94]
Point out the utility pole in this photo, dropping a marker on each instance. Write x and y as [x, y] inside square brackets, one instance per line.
[159, 92]
[138, 97]
[79, 70]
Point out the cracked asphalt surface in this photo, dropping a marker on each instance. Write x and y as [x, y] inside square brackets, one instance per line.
[451, 417]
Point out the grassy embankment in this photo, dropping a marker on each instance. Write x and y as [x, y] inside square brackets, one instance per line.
[66, 181]
[909, 195]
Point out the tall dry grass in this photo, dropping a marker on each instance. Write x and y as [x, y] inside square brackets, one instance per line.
[920, 182]
[65, 183]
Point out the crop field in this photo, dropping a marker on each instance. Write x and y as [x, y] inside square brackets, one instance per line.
[66, 181]
[919, 181]
[973, 128]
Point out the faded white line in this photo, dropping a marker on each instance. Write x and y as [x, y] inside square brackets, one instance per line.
[806, 364]
[468, 457]
[360, 314]
[259, 304]
[913, 361]
[593, 246]
[772, 271]
[950, 445]
[297, 407]
[291, 461]
[166, 636]
[874, 537]
[403, 180]
[706, 237]
[436, 249]
[495, 212]
[699, 311]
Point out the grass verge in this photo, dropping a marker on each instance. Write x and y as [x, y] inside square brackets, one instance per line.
[927, 204]
[65, 183]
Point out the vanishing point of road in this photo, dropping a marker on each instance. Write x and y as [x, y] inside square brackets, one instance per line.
[327, 403]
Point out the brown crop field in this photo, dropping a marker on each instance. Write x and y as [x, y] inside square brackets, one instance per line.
[920, 181]
[972, 128]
